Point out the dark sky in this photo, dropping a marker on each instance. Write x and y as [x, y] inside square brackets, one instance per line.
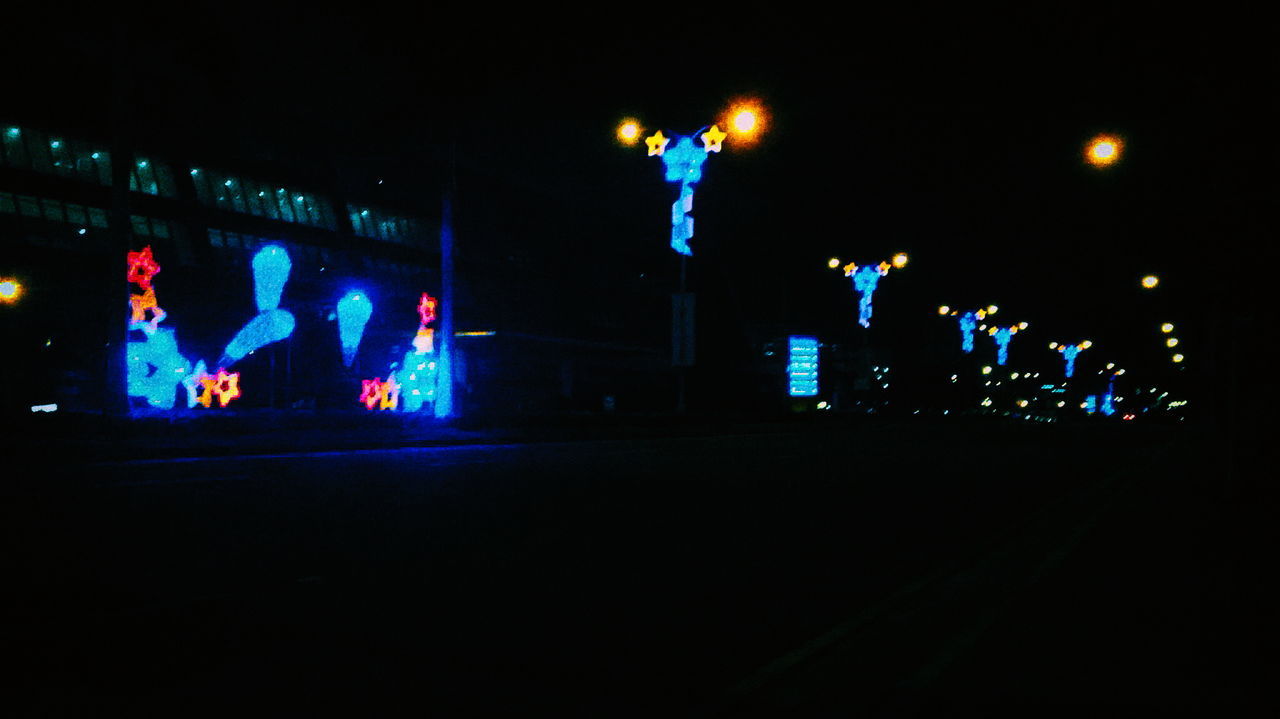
[956, 138]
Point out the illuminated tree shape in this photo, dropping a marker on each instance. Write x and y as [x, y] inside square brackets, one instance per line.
[155, 368]
[1003, 336]
[354, 310]
[142, 267]
[270, 326]
[417, 378]
[271, 267]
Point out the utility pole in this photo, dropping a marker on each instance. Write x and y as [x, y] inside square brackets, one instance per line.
[443, 405]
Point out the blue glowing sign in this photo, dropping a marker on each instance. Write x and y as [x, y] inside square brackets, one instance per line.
[1091, 403]
[354, 310]
[802, 366]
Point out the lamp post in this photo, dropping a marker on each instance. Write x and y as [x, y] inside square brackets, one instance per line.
[683, 163]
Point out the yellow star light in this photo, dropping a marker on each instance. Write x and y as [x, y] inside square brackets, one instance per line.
[712, 138]
[657, 143]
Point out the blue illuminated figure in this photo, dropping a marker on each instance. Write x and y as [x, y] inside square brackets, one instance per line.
[354, 310]
[968, 323]
[1091, 403]
[155, 368]
[865, 279]
[802, 366]
[1003, 336]
[271, 267]
[1070, 352]
[684, 165]
[1107, 407]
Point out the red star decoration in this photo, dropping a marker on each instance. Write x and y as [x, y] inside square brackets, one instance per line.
[427, 308]
[371, 391]
[142, 267]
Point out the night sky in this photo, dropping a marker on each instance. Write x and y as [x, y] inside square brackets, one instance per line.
[956, 138]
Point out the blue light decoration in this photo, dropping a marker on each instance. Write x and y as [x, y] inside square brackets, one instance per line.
[271, 267]
[155, 368]
[1107, 407]
[802, 366]
[1003, 336]
[865, 280]
[417, 374]
[1091, 404]
[153, 365]
[270, 326]
[354, 310]
[683, 164]
[1070, 352]
[968, 323]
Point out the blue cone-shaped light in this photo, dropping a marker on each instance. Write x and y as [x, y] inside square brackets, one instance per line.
[271, 268]
[354, 310]
[270, 326]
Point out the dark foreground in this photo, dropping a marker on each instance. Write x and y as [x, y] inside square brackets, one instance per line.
[896, 570]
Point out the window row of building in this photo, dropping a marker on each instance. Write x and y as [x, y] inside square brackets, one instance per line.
[78, 215]
[37, 151]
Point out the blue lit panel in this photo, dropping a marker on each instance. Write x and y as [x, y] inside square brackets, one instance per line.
[802, 366]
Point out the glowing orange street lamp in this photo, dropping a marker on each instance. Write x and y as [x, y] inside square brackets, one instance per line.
[629, 131]
[746, 120]
[1103, 150]
[10, 291]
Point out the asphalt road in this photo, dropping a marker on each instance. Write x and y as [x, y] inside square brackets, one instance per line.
[898, 570]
